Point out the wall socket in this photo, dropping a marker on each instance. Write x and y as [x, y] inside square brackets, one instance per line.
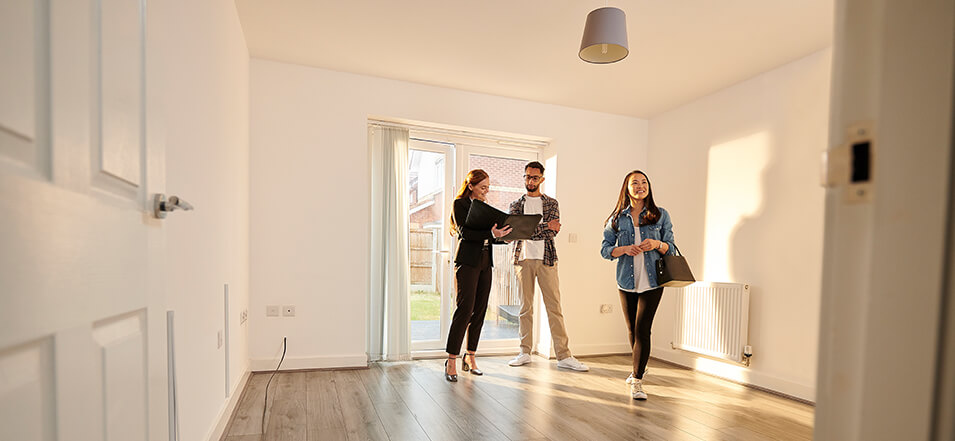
[243, 316]
[572, 237]
[288, 310]
[272, 310]
[606, 308]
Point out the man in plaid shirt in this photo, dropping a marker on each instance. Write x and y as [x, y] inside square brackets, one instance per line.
[537, 259]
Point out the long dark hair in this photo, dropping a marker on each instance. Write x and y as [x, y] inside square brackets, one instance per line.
[474, 176]
[623, 202]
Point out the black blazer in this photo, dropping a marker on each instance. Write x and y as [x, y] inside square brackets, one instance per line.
[470, 241]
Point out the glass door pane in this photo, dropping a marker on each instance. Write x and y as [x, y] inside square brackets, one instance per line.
[429, 186]
[506, 170]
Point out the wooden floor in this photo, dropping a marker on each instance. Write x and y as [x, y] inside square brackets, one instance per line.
[412, 401]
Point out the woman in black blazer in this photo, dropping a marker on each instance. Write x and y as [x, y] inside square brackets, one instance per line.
[472, 274]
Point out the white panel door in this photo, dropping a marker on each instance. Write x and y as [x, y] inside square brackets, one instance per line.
[81, 300]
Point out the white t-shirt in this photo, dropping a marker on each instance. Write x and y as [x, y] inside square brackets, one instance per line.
[640, 279]
[533, 249]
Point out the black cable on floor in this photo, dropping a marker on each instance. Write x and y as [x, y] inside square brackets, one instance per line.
[266, 405]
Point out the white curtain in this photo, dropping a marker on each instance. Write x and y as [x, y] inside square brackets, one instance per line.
[389, 306]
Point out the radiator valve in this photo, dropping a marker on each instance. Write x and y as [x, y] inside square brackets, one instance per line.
[747, 351]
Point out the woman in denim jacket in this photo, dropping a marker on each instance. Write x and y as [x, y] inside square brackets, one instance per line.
[636, 258]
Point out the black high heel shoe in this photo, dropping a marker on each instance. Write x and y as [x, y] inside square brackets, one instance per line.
[450, 377]
[466, 367]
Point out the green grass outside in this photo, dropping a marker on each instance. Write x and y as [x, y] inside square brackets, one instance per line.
[425, 305]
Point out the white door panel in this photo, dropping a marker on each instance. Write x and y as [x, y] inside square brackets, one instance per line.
[121, 92]
[26, 371]
[21, 55]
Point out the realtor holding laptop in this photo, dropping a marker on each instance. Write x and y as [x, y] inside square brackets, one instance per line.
[536, 259]
[472, 274]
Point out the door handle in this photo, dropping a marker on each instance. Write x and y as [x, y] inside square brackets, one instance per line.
[162, 205]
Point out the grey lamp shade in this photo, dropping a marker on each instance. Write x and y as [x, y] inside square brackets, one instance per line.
[605, 36]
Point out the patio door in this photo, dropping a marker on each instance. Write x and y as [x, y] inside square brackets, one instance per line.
[435, 169]
[505, 166]
[430, 192]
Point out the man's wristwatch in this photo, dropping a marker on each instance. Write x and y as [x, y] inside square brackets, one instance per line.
[661, 245]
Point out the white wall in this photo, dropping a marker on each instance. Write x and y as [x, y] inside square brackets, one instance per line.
[207, 147]
[766, 228]
[310, 202]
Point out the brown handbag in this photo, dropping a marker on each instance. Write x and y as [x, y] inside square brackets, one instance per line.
[673, 271]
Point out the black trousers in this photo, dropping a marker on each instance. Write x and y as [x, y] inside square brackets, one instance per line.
[639, 310]
[474, 287]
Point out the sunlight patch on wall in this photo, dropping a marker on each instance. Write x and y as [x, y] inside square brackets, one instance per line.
[550, 183]
[734, 191]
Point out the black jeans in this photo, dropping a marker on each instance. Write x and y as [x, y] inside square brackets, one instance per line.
[639, 310]
[474, 287]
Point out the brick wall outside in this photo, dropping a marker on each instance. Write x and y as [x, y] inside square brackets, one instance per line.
[507, 179]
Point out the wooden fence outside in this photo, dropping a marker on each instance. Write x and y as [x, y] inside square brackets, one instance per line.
[425, 274]
[422, 243]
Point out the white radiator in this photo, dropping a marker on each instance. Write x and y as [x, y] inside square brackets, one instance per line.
[713, 319]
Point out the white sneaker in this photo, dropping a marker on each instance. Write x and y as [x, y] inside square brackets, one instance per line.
[645, 372]
[572, 363]
[636, 389]
[520, 360]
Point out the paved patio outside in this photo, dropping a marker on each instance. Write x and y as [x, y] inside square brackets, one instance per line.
[492, 330]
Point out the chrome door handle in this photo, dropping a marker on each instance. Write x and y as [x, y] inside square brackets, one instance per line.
[162, 205]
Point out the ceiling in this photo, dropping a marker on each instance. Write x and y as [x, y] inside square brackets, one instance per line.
[680, 50]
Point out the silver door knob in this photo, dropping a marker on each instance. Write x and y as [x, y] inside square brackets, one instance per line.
[162, 205]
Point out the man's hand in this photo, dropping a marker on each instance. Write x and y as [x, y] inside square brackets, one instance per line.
[554, 225]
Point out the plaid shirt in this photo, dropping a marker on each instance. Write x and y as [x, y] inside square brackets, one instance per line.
[551, 212]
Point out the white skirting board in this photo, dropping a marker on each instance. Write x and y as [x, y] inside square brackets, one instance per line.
[329, 362]
[736, 373]
[229, 407]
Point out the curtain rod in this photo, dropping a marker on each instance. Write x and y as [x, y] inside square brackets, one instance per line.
[504, 140]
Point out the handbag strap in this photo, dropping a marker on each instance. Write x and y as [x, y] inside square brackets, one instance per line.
[677, 249]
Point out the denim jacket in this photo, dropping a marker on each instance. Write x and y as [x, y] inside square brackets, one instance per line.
[662, 230]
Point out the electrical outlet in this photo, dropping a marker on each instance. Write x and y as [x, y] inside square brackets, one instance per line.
[219, 340]
[272, 310]
[572, 237]
[243, 316]
[606, 308]
[288, 310]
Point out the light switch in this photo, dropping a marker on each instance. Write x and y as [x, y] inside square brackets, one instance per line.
[272, 311]
[288, 310]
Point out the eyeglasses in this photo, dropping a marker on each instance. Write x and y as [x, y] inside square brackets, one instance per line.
[533, 178]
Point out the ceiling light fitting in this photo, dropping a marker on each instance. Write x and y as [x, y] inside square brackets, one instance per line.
[605, 36]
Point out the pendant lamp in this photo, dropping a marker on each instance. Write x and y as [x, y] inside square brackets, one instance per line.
[605, 36]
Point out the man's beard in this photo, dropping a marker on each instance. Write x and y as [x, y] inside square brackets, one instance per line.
[531, 187]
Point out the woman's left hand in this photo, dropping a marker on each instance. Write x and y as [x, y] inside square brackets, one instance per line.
[649, 245]
[500, 232]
